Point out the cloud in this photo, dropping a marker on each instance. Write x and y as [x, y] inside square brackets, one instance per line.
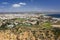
[22, 3]
[18, 5]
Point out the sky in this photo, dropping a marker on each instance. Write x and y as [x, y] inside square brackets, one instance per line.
[29, 5]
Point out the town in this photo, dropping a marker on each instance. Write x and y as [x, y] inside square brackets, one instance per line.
[28, 27]
[28, 19]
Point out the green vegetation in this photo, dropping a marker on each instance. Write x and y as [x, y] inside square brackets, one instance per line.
[47, 25]
[56, 32]
[20, 19]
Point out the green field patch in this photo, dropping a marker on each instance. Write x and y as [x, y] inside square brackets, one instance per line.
[47, 25]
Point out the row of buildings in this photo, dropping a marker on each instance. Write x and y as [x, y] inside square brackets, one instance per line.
[31, 19]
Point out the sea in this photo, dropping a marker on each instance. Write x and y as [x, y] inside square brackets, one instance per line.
[55, 14]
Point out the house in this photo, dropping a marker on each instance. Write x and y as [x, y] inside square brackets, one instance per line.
[10, 26]
[16, 23]
[33, 22]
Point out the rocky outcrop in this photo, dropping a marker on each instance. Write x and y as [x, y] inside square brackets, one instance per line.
[28, 34]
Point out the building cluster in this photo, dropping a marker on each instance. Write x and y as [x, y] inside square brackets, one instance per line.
[11, 16]
[31, 19]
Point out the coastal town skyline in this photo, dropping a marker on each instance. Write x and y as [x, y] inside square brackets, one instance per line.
[29, 5]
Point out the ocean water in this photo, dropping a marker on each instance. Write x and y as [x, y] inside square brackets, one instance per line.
[56, 15]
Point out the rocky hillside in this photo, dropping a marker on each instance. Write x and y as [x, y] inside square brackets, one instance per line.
[28, 33]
